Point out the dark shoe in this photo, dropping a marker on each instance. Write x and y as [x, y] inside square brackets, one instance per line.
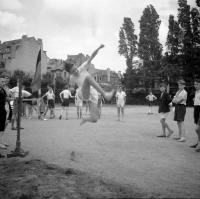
[2, 156]
[177, 138]
[194, 146]
[161, 136]
[60, 117]
[198, 149]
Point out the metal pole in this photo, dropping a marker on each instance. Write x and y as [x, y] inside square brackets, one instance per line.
[19, 103]
[39, 103]
[18, 152]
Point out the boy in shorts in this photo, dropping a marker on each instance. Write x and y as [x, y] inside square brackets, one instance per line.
[79, 104]
[50, 101]
[150, 99]
[83, 79]
[65, 96]
[120, 100]
[180, 110]
[164, 109]
[197, 114]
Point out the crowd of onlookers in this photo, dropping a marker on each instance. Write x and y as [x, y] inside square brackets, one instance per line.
[41, 106]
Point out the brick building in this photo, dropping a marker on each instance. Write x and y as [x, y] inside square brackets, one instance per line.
[21, 54]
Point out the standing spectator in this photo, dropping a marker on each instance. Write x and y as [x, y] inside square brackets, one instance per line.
[65, 97]
[120, 100]
[180, 110]
[164, 109]
[150, 99]
[3, 113]
[15, 96]
[79, 104]
[50, 101]
[100, 103]
[197, 114]
[41, 107]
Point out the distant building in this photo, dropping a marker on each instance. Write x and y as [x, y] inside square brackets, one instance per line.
[21, 54]
[106, 78]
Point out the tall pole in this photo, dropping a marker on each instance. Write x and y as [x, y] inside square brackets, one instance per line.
[19, 103]
[18, 152]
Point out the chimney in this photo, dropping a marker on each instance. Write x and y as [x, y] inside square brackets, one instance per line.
[24, 37]
[108, 74]
[119, 74]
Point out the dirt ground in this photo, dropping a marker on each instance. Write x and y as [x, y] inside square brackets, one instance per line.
[38, 180]
[125, 154]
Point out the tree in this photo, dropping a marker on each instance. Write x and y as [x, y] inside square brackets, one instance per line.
[173, 41]
[186, 37]
[128, 48]
[195, 25]
[149, 47]
[27, 79]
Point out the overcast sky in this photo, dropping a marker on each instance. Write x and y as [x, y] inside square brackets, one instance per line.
[74, 26]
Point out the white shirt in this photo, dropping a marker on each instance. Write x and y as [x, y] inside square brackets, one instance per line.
[151, 97]
[15, 92]
[50, 95]
[197, 98]
[66, 94]
[120, 96]
[181, 95]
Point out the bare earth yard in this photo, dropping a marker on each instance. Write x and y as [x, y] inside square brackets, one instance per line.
[112, 159]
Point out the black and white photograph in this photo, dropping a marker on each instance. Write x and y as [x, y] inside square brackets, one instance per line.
[99, 99]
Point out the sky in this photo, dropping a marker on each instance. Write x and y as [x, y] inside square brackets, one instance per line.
[70, 27]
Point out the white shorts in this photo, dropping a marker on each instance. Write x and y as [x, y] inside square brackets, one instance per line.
[79, 103]
[120, 104]
[164, 115]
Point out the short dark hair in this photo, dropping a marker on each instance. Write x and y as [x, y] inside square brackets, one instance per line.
[68, 66]
[197, 80]
[162, 85]
[181, 81]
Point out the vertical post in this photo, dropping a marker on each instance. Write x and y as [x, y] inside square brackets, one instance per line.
[18, 152]
[19, 103]
[38, 103]
[168, 87]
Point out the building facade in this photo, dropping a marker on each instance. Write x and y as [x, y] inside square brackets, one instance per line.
[106, 78]
[21, 54]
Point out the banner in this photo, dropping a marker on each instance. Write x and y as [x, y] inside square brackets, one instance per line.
[36, 83]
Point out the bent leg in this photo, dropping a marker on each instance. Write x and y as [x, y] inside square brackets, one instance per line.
[94, 114]
[89, 81]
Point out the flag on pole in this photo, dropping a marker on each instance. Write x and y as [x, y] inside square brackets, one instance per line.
[36, 83]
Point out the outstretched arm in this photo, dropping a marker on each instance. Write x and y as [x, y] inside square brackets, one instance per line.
[94, 53]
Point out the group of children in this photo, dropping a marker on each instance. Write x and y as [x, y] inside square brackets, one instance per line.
[90, 92]
[179, 101]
